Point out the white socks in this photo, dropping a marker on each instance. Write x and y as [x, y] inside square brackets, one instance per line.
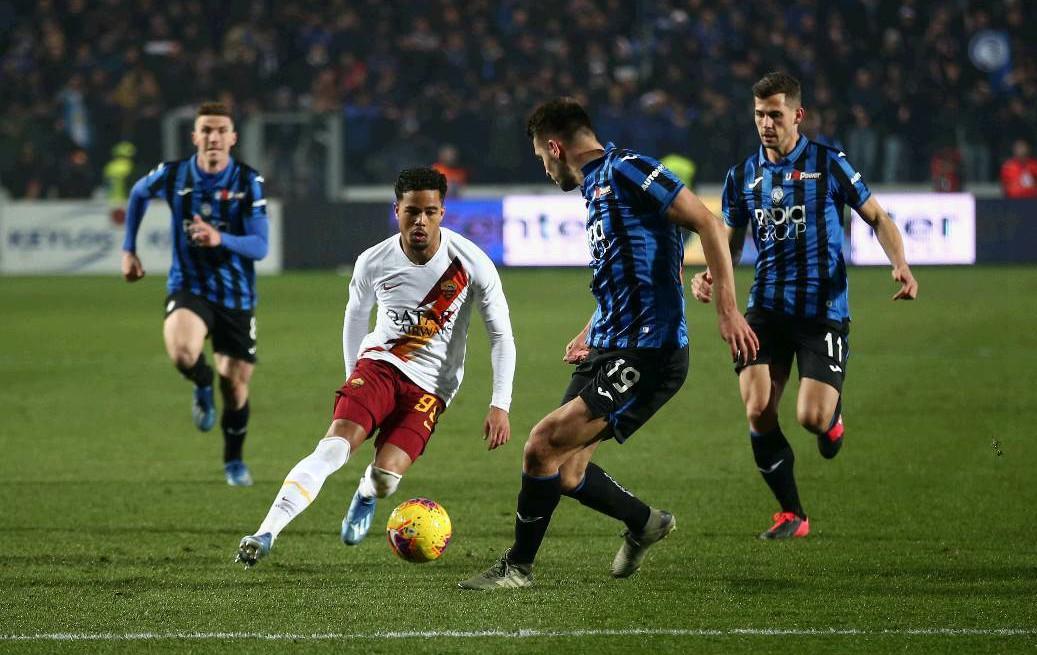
[378, 482]
[303, 483]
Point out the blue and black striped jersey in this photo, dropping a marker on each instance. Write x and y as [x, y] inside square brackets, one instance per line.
[636, 254]
[795, 210]
[232, 201]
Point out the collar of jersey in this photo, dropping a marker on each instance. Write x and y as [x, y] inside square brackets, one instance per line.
[788, 159]
[591, 166]
[210, 178]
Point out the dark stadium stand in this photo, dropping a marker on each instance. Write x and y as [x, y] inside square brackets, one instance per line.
[892, 81]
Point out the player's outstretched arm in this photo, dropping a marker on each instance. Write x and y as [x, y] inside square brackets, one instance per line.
[702, 282]
[496, 428]
[893, 245]
[357, 316]
[132, 269]
[688, 211]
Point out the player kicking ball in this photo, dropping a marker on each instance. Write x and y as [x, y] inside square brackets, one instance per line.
[401, 377]
[792, 193]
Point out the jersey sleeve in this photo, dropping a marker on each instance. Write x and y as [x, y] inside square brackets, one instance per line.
[255, 243]
[645, 180]
[846, 183]
[152, 185]
[730, 204]
[494, 309]
[358, 312]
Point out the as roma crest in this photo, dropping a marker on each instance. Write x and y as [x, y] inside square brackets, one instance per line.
[448, 289]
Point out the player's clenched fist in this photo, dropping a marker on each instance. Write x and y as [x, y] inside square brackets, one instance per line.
[132, 269]
[702, 286]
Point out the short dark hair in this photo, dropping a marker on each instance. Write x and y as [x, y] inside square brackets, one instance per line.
[213, 109]
[777, 82]
[562, 117]
[420, 179]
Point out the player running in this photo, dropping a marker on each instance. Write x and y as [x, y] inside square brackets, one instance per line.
[792, 193]
[633, 354]
[400, 378]
[219, 229]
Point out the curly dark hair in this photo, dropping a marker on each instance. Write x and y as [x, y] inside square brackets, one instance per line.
[562, 117]
[420, 179]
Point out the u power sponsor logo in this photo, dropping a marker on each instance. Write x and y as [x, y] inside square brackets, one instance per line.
[781, 223]
[651, 177]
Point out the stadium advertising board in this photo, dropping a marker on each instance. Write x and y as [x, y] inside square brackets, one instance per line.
[938, 228]
[73, 237]
[1006, 231]
[545, 231]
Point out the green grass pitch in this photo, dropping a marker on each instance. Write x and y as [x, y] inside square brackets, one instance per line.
[116, 521]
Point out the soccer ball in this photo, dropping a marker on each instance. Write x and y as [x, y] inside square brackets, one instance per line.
[419, 530]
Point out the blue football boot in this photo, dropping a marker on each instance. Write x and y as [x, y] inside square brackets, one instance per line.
[237, 473]
[203, 409]
[253, 548]
[357, 522]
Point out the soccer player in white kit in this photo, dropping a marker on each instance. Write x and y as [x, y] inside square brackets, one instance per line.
[402, 376]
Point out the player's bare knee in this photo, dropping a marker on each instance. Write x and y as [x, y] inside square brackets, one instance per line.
[812, 418]
[757, 411]
[537, 453]
[183, 357]
[384, 481]
[333, 451]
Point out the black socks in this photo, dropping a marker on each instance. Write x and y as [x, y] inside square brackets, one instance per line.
[200, 372]
[775, 460]
[602, 493]
[234, 424]
[536, 502]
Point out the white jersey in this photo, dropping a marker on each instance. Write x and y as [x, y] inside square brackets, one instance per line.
[423, 314]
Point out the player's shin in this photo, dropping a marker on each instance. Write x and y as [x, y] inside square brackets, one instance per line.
[537, 500]
[378, 482]
[304, 482]
[599, 491]
[234, 424]
[200, 373]
[775, 461]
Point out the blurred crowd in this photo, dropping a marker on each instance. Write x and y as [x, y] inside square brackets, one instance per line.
[914, 90]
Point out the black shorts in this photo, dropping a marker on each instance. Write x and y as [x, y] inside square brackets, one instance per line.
[627, 386]
[233, 331]
[821, 349]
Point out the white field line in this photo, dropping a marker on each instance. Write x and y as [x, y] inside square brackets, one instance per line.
[514, 634]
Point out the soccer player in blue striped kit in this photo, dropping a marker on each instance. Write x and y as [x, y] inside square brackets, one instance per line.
[632, 356]
[219, 229]
[792, 193]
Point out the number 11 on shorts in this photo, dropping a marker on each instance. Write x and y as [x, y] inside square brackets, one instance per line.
[838, 343]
